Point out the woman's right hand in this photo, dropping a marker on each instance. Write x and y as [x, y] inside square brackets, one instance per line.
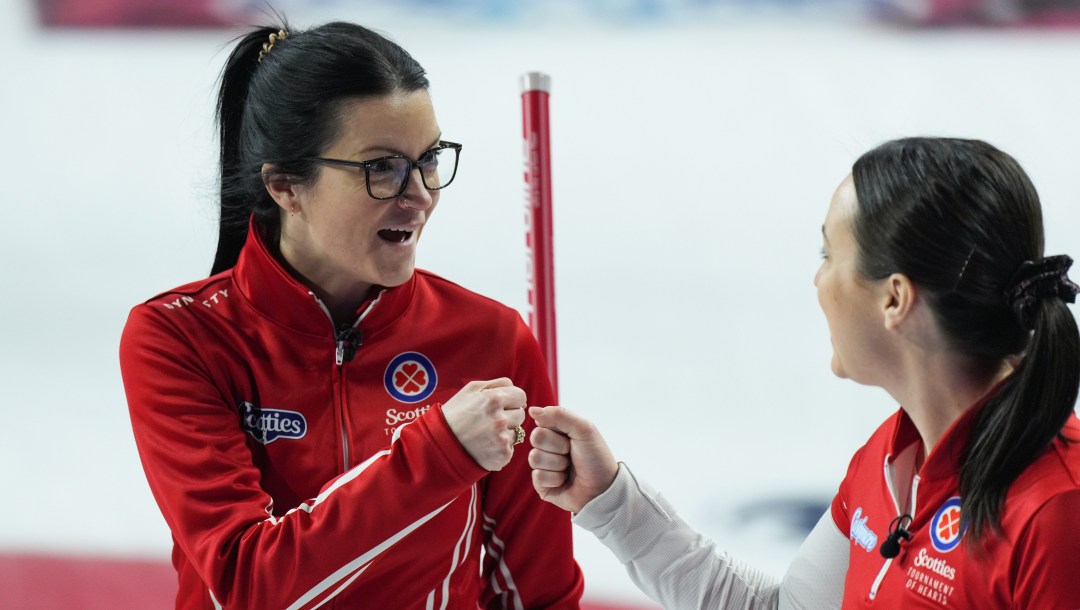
[483, 415]
[571, 462]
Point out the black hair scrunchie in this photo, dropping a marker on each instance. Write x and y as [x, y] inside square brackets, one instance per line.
[1037, 280]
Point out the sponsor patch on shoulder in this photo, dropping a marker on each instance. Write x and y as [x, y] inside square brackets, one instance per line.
[268, 425]
[410, 377]
[861, 534]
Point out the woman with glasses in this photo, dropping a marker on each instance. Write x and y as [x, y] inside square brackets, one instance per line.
[935, 288]
[318, 420]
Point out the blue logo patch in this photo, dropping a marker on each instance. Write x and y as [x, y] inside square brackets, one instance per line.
[946, 528]
[410, 377]
[861, 534]
[268, 425]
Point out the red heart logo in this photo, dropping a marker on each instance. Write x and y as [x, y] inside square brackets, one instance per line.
[410, 378]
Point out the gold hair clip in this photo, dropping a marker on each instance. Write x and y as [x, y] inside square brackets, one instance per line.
[280, 35]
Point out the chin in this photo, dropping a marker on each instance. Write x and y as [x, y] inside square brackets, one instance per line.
[838, 368]
[397, 278]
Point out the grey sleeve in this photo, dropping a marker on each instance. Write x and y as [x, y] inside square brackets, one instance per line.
[680, 568]
[815, 578]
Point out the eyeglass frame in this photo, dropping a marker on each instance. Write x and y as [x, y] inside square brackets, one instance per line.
[414, 164]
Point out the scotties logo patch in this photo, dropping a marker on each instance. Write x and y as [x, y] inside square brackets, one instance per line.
[410, 377]
[268, 425]
[946, 528]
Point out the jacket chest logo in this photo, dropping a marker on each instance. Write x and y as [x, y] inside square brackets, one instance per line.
[268, 425]
[410, 377]
[946, 528]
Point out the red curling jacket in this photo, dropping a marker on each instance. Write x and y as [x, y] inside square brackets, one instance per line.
[297, 465]
[1030, 565]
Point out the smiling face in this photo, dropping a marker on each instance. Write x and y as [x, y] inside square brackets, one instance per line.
[852, 303]
[334, 234]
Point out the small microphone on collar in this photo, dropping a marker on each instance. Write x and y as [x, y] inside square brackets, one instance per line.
[897, 531]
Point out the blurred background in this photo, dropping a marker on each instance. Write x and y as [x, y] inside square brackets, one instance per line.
[695, 143]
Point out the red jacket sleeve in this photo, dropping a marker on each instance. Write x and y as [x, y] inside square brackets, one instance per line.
[203, 479]
[529, 560]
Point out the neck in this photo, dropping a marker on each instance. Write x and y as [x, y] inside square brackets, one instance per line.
[936, 391]
[343, 308]
[341, 295]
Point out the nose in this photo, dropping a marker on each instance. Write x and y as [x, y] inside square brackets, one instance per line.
[416, 196]
[817, 275]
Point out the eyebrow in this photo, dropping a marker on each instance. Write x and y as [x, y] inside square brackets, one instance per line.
[394, 151]
[823, 235]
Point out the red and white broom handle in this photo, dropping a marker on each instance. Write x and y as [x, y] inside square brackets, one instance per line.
[535, 91]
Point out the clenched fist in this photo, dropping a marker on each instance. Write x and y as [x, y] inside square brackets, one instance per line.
[482, 416]
[571, 462]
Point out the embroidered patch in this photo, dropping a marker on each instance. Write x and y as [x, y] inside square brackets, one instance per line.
[946, 528]
[860, 533]
[410, 377]
[268, 425]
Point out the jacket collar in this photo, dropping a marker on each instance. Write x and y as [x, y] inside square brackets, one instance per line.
[946, 457]
[279, 296]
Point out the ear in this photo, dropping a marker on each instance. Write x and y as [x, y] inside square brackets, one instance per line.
[281, 187]
[898, 300]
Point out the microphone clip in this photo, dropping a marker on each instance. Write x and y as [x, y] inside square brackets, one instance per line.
[897, 531]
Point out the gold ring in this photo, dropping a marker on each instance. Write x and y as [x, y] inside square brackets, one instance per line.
[520, 438]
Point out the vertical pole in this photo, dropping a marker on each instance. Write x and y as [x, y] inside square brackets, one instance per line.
[535, 91]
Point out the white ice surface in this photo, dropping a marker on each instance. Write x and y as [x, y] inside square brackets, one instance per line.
[692, 170]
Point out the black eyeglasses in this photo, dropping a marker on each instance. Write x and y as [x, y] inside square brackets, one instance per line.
[388, 177]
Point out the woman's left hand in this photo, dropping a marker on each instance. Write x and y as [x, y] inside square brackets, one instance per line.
[483, 416]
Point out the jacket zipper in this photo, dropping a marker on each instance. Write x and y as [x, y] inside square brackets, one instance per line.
[347, 339]
[911, 500]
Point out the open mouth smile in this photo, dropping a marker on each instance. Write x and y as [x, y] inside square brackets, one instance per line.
[395, 236]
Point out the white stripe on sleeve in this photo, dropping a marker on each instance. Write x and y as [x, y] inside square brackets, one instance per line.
[496, 547]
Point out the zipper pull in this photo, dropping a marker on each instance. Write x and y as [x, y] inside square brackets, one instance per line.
[349, 341]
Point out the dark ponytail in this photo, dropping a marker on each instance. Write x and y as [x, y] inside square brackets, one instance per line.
[235, 207]
[960, 218]
[280, 104]
[1019, 423]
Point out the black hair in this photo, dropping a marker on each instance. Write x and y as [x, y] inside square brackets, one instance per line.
[281, 105]
[959, 217]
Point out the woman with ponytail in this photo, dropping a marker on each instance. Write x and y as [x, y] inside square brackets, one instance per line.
[319, 421]
[935, 287]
